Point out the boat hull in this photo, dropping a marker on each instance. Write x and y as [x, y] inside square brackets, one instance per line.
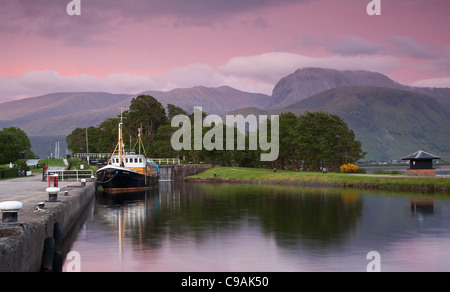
[120, 180]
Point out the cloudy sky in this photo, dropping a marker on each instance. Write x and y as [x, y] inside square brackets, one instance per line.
[128, 46]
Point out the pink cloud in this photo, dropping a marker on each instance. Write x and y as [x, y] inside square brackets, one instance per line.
[166, 39]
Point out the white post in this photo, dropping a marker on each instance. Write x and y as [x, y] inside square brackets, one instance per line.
[9, 210]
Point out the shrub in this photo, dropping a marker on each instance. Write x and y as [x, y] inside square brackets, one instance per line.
[393, 172]
[8, 173]
[349, 168]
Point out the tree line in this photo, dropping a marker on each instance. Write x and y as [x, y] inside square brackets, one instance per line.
[14, 144]
[311, 141]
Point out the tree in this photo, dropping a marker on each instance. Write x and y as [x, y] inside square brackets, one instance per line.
[173, 111]
[324, 140]
[162, 147]
[108, 132]
[147, 111]
[13, 141]
[288, 148]
[76, 141]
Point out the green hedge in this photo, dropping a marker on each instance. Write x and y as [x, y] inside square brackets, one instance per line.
[9, 172]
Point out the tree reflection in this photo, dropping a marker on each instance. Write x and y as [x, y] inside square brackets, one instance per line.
[291, 215]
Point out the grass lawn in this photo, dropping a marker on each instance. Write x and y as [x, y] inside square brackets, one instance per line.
[60, 163]
[340, 179]
[52, 162]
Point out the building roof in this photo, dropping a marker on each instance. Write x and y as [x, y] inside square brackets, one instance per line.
[421, 155]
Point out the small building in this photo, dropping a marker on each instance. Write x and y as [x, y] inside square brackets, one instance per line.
[421, 164]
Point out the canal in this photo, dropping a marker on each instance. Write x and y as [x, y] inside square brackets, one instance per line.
[262, 228]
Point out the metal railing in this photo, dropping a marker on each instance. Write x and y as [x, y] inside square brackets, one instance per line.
[165, 161]
[160, 161]
[71, 174]
[92, 155]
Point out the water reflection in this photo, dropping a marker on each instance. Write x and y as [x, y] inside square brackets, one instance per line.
[230, 227]
[420, 206]
[127, 213]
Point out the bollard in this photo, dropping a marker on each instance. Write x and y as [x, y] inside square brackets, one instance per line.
[66, 193]
[53, 194]
[9, 211]
[83, 182]
[41, 206]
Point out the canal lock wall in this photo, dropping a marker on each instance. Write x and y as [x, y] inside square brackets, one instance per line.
[35, 243]
[181, 172]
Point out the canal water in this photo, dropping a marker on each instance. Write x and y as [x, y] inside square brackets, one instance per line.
[263, 228]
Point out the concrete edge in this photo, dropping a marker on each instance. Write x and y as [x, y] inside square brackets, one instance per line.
[22, 244]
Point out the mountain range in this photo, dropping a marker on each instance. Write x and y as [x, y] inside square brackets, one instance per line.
[392, 120]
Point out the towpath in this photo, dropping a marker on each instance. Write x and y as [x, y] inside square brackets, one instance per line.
[26, 189]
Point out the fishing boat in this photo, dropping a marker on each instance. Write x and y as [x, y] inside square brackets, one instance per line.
[128, 171]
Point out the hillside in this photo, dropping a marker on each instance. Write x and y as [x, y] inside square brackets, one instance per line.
[52, 117]
[57, 113]
[389, 122]
[390, 119]
[61, 113]
[217, 101]
[307, 82]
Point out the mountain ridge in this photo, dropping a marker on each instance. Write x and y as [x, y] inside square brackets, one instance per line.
[306, 82]
[57, 114]
[389, 122]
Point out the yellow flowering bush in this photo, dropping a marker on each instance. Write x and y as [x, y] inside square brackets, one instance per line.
[349, 168]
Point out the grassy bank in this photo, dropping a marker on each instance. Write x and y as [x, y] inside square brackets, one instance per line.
[75, 163]
[328, 179]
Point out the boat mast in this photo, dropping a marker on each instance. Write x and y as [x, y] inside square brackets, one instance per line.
[139, 138]
[121, 145]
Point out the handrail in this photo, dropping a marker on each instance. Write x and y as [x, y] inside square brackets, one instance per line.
[71, 174]
[166, 161]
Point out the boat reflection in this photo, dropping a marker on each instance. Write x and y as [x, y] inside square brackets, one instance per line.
[129, 212]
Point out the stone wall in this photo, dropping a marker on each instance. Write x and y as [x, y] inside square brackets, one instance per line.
[22, 244]
[421, 172]
[180, 172]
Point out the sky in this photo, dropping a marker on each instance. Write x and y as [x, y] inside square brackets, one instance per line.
[130, 46]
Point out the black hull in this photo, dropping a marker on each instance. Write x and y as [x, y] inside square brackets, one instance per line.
[124, 181]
